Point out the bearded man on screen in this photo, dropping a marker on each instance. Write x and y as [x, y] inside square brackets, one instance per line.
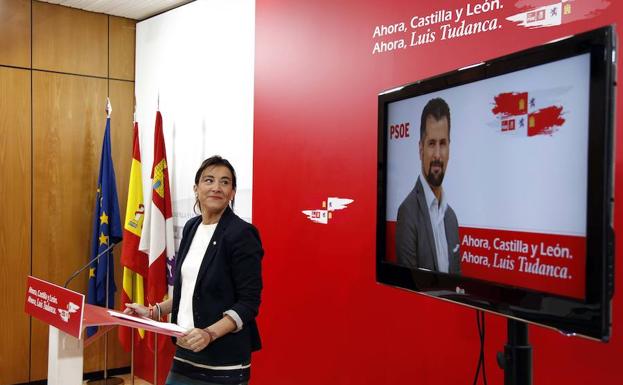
[427, 231]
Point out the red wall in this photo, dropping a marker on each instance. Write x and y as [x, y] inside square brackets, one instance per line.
[324, 320]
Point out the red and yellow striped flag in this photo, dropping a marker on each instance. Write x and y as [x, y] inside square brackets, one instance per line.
[134, 261]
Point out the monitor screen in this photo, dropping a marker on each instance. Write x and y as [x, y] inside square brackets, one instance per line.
[494, 180]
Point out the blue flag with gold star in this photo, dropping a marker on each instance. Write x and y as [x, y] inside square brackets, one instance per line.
[106, 232]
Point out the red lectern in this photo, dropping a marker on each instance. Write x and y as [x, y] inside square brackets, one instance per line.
[67, 314]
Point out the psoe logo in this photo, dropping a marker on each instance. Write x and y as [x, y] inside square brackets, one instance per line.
[328, 207]
[66, 314]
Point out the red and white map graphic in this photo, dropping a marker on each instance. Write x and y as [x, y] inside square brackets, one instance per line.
[323, 215]
[528, 113]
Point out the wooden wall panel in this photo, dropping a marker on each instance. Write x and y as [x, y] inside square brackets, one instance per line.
[47, 228]
[15, 190]
[122, 41]
[15, 33]
[69, 40]
[68, 127]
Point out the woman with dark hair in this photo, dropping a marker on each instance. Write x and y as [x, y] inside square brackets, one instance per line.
[217, 286]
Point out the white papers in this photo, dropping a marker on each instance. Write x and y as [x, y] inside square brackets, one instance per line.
[147, 321]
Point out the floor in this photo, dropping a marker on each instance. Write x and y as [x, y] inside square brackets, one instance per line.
[137, 381]
[126, 380]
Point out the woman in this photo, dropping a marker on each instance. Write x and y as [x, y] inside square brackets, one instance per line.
[217, 286]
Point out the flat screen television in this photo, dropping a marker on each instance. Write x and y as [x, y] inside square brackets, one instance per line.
[495, 185]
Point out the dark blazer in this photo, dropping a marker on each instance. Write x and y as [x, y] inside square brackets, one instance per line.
[415, 245]
[230, 277]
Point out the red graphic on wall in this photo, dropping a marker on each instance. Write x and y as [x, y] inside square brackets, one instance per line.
[518, 114]
[536, 16]
[548, 13]
[323, 215]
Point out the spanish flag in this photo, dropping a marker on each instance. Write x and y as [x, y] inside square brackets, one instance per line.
[134, 261]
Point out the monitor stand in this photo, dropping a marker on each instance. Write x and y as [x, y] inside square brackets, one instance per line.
[517, 357]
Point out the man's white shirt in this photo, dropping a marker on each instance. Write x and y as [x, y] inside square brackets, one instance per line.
[437, 212]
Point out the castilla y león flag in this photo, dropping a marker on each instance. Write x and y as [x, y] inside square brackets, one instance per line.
[157, 235]
[157, 242]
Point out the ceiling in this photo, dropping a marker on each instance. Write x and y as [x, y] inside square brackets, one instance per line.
[132, 9]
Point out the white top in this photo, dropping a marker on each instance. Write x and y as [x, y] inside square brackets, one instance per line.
[437, 211]
[190, 270]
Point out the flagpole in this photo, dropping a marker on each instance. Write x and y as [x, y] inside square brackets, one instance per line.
[106, 336]
[132, 358]
[155, 359]
[108, 380]
[155, 335]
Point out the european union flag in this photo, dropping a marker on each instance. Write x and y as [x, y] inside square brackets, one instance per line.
[106, 231]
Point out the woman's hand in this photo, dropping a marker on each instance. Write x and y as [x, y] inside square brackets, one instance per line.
[195, 340]
[136, 309]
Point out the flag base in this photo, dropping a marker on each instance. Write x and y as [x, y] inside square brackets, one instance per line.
[107, 381]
